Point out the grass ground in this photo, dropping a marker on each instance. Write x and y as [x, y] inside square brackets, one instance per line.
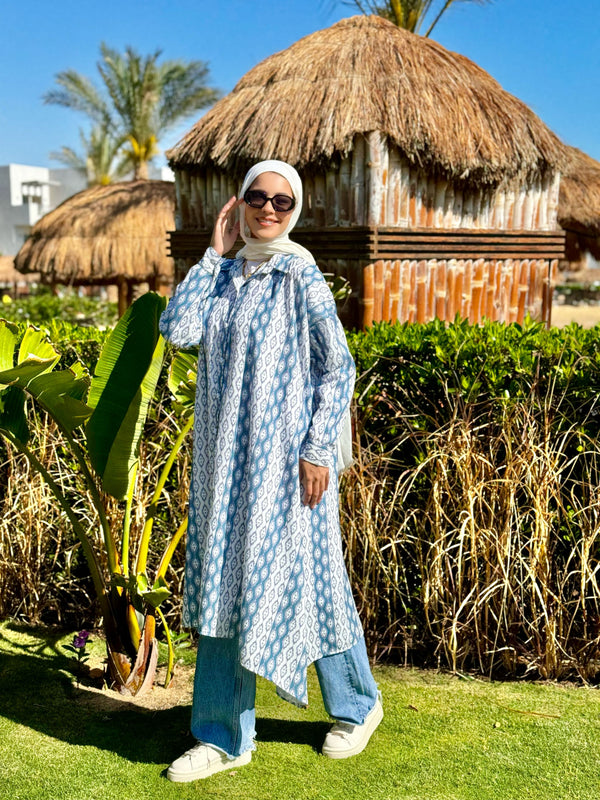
[442, 738]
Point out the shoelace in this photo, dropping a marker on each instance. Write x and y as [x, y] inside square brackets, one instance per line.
[342, 729]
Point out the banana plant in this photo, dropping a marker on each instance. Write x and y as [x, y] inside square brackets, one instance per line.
[101, 419]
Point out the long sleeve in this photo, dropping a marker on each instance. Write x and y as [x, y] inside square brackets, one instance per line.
[332, 376]
[182, 322]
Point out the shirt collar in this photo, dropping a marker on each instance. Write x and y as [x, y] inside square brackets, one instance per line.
[278, 261]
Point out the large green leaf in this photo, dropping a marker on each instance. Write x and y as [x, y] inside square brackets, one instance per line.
[35, 346]
[122, 387]
[12, 413]
[8, 341]
[62, 395]
[182, 379]
[26, 371]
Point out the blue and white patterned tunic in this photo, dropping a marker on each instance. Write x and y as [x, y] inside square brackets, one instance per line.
[274, 379]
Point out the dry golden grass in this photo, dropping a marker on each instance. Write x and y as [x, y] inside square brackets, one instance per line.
[485, 554]
[43, 577]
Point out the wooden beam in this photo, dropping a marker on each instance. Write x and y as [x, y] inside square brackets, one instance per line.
[373, 243]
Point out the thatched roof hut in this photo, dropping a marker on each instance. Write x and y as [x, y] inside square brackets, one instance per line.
[307, 104]
[389, 131]
[579, 207]
[105, 235]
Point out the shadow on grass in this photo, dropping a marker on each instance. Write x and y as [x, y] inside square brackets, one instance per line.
[37, 692]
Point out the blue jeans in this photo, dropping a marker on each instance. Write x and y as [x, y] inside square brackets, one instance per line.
[223, 712]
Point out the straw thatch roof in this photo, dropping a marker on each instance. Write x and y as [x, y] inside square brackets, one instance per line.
[579, 201]
[307, 103]
[103, 235]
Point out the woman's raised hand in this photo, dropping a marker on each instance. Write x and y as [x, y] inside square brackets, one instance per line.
[227, 227]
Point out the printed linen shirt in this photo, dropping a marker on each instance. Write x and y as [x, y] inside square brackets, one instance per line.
[275, 378]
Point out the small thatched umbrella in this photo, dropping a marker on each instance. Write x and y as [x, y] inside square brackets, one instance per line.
[411, 157]
[579, 207]
[105, 235]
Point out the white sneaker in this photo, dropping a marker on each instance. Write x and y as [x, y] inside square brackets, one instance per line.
[202, 760]
[345, 740]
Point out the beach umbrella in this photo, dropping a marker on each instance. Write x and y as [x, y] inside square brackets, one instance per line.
[105, 235]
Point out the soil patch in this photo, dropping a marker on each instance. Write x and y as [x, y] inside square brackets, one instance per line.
[158, 698]
[586, 315]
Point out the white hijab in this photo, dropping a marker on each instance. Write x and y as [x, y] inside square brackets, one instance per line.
[256, 250]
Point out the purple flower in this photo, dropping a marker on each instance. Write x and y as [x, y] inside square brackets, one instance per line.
[80, 639]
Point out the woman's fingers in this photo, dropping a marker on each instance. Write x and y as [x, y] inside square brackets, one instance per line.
[314, 481]
[227, 227]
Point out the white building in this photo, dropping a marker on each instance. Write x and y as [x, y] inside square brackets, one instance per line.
[27, 193]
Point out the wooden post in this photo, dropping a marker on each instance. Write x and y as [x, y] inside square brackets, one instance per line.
[319, 206]
[368, 295]
[432, 276]
[458, 290]
[412, 291]
[439, 203]
[440, 291]
[345, 214]
[449, 207]
[478, 291]
[124, 295]
[378, 291]
[377, 176]
[523, 290]
[405, 195]
[332, 213]
[307, 217]
[394, 193]
[358, 182]
[466, 300]
[387, 288]
[513, 310]
[457, 211]
[395, 292]
[405, 269]
[421, 291]
[553, 202]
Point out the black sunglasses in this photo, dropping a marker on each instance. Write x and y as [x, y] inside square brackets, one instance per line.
[280, 202]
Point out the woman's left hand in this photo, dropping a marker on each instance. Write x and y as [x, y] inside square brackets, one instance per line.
[314, 481]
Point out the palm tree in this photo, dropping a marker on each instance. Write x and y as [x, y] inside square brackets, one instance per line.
[408, 14]
[139, 100]
[97, 160]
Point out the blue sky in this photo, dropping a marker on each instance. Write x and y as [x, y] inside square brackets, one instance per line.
[545, 52]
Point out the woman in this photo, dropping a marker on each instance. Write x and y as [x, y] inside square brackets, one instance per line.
[266, 585]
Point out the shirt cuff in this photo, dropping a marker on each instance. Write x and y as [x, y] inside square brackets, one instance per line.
[211, 259]
[317, 455]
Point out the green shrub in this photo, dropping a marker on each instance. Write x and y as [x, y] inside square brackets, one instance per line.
[472, 517]
[43, 307]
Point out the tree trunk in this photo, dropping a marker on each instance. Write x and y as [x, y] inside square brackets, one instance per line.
[141, 171]
[125, 295]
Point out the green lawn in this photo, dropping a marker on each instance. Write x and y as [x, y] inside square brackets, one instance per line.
[442, 738]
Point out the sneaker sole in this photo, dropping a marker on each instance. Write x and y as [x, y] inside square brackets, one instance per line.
[358, 748]
[216, 766]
